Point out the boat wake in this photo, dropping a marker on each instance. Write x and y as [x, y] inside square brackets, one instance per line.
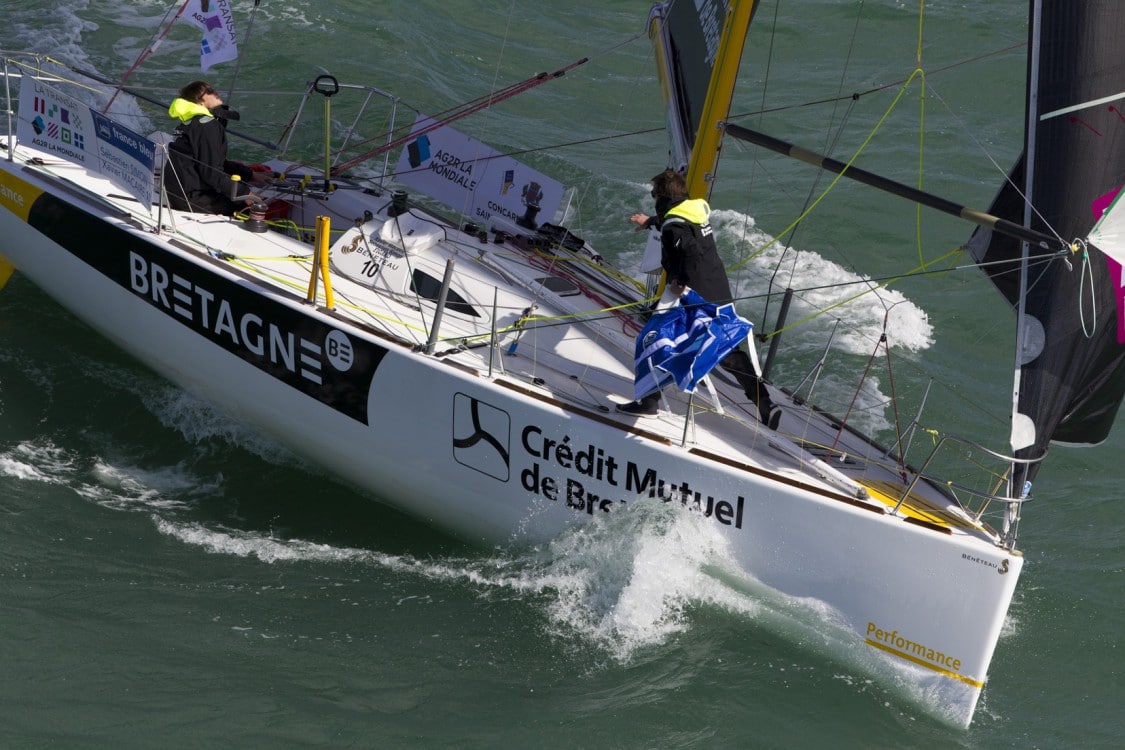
[628, 581]
[631, 580]
[116, 486]
[826, 287]
[622, 584]
[625, 585]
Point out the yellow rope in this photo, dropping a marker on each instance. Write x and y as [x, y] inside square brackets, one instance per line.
[869, 290]
[921, 136]
[832, 185]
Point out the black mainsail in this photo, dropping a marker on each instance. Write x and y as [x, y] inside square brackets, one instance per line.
[1070, 363]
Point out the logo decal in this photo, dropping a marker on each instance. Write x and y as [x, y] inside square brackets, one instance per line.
[481, 437]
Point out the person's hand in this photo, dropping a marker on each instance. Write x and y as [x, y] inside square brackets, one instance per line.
[640, 220]
[261, 178]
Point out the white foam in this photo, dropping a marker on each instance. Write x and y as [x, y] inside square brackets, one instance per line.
[623, 583]
[123, 487]
[38, 461]
[824, 284]
[252, 544]
[198, 421]
[116, 486]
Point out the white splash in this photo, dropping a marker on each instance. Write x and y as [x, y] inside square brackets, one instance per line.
[38, 461]
[826, 286]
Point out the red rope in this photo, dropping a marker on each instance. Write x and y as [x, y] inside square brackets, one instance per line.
[144, 55]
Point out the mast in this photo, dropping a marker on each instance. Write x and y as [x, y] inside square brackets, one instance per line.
[705, 152]
[698, 47]
[1023, 428]
[1023, 432]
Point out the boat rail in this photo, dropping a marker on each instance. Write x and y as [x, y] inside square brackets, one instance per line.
[320, 86]
[371, 98]
[1012, 503]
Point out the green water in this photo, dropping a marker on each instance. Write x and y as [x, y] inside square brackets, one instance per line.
[169, 579]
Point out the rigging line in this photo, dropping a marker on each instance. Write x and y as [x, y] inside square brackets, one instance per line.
[135, 93]
[245, 46]
[997, 224]
[859, 386]
[519, 152]
[36, 70]
[456, 112]
[921, 131]
[830, 143]
[1006, 178]
[918, 50]
[343, 298]
[875, 89]
[486, 100]
[757, 164]
[148, 50]
[763, 140]
[894, 393]
[481, 103]
[914, 273]
[641, 72]
[489, 120]
[882, 283]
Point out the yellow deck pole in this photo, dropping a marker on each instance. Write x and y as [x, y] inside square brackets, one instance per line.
[322, 253]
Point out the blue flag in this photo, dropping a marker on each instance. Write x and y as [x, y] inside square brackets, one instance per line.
[684, 343]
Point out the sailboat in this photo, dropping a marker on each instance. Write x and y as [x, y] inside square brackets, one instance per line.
[462, 363]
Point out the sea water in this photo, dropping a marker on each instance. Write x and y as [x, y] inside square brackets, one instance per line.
[170, 578]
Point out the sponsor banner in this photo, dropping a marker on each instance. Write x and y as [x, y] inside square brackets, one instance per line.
[127, 158]
[70, 129]
[51, 120]
[475, 179]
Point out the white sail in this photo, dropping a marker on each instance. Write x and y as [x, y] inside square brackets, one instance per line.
[1108, 235]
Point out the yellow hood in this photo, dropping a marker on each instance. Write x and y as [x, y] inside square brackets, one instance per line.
[694, 210]
[183, 110]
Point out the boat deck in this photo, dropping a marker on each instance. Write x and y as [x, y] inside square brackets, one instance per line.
[583, 367]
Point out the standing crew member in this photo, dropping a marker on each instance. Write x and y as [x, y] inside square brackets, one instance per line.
[690, 257]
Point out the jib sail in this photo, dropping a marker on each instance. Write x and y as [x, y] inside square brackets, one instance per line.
[1070, 360]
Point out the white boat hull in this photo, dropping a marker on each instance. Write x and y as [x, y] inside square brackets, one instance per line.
[496, 461]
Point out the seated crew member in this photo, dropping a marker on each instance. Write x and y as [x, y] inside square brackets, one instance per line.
[198, 174]
[690, 257]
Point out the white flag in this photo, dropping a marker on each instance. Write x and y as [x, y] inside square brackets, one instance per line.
[215, 19]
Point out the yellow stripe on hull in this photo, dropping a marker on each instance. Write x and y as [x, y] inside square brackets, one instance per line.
[6, 271]
[16, 196]
[916, 506]
[923, 663]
